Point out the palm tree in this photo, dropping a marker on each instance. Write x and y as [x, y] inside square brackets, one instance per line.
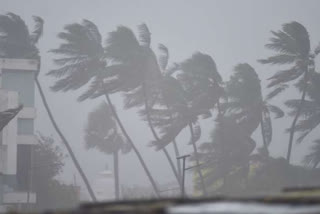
[246, 104]
[17, 42]
[102, 133]
[310, 113]
[292, 45]
[192, 89]
[83, 60]
[226, 155]
[133, 70]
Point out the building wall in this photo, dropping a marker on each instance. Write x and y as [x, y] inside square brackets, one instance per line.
[17, 138]
[22, 82]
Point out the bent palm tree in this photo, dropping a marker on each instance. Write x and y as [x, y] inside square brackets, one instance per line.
[193, 94]
[246, 105]
[82, 61]
[133, 70]
[292, 44]
[310, 113]
[102, 133]
[17, 42]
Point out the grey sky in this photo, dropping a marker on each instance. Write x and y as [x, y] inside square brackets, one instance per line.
[230, 31]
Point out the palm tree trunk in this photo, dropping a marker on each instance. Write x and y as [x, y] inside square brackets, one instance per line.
[177, 153]
[116, 174]
[220, 119]
[65, 142]
[153, 183]
[176, 150]
[204, 191]
[263, 135]
[294, 122]
[157, 137]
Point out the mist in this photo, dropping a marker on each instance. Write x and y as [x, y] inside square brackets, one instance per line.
[204, 92]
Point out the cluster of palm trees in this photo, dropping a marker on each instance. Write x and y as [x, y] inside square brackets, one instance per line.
[171, 97]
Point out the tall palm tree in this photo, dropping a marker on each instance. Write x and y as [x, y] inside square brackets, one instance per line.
[102, 133]
[17, 42]
[292, 45]
[192, 89]
[133, 70]
[83, 59]
[310, 119]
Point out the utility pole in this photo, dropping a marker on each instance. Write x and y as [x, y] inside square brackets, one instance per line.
[183, 157]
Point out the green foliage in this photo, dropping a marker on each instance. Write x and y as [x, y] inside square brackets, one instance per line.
[47, 165]
[102, 132]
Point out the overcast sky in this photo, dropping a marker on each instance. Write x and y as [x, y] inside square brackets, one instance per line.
[230, 31]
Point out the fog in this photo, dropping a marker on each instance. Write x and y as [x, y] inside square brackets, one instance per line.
[231, 32]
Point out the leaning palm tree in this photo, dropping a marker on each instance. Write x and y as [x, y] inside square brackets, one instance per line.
[102, 133]
[192, 89]
[17, 42]
[310, 110]
[133, 70]
[310, 113]
[246, 105]
[83, 60]
[292, 45]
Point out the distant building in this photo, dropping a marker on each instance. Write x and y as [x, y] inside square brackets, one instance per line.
[103, 186]
[17, 139]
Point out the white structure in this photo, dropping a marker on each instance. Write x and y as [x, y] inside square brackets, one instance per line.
[103, 186]
[17, 138]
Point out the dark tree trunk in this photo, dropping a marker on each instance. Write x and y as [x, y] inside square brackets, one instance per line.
[116, 174]
[157, 137]
[198, 167]
[153, 183]
[64, 140]
[295, 120]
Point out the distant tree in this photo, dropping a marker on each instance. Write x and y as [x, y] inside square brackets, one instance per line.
[102, 133]
[48, 161]
[83, 59]
[292, 45]
[17, 42]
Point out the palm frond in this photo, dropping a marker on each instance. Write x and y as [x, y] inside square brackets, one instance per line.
[279, 89]
[279, 59]
[164, 57]
[38, 29]
[276, 110]
[122, 45]
[144, 35]
[313, 158]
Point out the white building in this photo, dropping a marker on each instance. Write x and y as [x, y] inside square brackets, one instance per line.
[103, 186]
[17, 86]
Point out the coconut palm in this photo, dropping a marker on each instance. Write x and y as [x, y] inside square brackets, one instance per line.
[133, 70]
[310, 119]
[83, 60]
[191, 89]
[17, 42]
[102, 133]
[310, 110]
[246, 105]
[292, 45]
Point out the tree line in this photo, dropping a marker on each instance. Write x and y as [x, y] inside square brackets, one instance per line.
[174, 96]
